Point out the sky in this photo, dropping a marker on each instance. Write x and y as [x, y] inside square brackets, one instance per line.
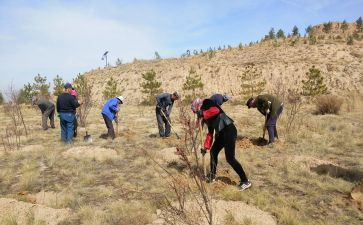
[69, 37]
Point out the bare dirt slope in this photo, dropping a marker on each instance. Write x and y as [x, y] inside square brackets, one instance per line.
[287, 59]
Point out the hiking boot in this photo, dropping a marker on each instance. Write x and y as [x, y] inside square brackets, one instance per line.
[244, 185]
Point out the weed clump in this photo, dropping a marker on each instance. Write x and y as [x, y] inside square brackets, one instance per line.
[328, 104]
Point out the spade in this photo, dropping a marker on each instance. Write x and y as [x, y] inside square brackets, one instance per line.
[87, 138]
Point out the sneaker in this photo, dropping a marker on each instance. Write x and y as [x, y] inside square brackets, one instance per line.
[244, 185]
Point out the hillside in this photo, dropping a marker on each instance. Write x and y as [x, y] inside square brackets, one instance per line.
[287, 59]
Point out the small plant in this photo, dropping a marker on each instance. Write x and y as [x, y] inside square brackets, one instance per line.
[84, 89]
[111, 89]
[293, 108]
[314, 84]
[150, 87]
[192, 84]
[58, 84]
[252, 82]
[344, 26]
[350, 40]
[328, 104]
[312, 39]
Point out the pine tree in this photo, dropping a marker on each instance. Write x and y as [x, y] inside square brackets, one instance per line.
[280, 34]
[359, 24]
[327, 27]
[150, 87]
[1, 98]
[157, 56]
[40, 85]
[58, 84]
[252, 82]
[309, 30]
[271, 34]
[26, 94]
[192, 84]
[111, 89]
[295, 31]
[240, 46]
[344, 26]
[314, 84]
[118, 62]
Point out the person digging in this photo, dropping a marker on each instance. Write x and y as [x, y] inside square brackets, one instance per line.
[225, 132]
[219, 99]
[164, 105]
[47, 108]
[109, 114]
[271, 107]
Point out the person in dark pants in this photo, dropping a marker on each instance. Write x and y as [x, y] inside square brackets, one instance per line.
[47, 108]
[225, 137]
[164, 104]
[66, 107]
[75, 94]
[109, 113]
[219, 99]
[271, 107]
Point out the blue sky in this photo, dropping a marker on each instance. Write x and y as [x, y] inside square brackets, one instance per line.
[69, 37]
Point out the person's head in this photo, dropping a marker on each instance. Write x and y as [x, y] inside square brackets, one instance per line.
[175, 96]
[196, 105]
[120, 99]
[251, 103]
[68, 87]
[35, 100]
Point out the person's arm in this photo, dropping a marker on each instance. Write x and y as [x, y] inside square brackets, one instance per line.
[75, 103]
[169, 109]
[210, 113]
[209, 139]
[114, 106]
[57, 103]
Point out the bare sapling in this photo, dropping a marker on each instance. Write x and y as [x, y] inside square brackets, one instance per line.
[192, 202]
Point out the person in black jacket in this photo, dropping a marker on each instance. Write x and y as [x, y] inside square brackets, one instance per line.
[66, 107]
[47, 108]
[225, 137]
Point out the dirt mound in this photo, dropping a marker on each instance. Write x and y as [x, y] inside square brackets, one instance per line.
[226, 212]
[23, 212]
[90, 152]
[357, 195]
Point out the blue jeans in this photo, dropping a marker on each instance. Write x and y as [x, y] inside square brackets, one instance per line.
[271, 125]
[67, 120]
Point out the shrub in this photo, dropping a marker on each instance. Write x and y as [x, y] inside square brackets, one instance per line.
[84, 89]
[327, 27]
[280, 34]
[150, 87]
[328, 104]
[344, 26]
[359, 24]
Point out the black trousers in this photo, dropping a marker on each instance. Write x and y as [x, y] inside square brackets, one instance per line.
[48, 113]
[227, 140]
[109, 125]
[161, 123]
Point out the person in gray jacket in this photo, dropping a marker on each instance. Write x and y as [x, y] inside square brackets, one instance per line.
[164, 104]
[47, 108]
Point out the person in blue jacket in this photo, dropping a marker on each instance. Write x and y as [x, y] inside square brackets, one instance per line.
[109, 113]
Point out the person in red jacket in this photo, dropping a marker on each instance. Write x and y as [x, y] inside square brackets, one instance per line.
[225, 133]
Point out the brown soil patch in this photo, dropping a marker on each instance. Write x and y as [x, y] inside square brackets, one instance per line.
[21, 211]
[90, 152]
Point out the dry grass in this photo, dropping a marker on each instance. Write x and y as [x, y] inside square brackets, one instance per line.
[129, 188]
[328, 104]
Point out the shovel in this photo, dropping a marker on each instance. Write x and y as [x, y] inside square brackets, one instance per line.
[170, 124]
